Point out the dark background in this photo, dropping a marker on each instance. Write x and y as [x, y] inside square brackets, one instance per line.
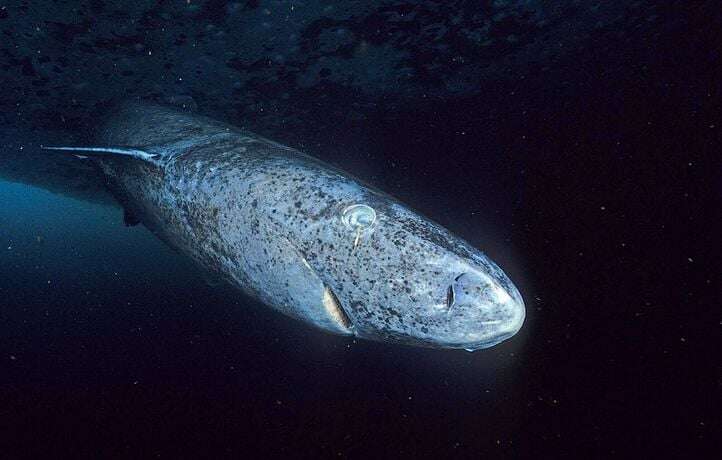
[581, 155]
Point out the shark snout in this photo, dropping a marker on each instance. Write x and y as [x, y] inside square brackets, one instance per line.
[483, 311]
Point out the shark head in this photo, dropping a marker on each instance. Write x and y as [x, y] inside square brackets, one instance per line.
[352, 260]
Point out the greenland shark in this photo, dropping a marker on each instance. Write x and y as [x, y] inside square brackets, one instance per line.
[301, 236]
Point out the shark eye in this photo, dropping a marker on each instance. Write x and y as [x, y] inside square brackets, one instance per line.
[358, 216]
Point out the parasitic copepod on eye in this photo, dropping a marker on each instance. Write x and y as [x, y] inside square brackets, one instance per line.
[359, 218]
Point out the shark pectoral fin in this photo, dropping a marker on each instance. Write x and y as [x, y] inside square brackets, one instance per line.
[130, 219]
[133, 152]
[335, 311]
[294, 287]
[211, 278]
[314, 300]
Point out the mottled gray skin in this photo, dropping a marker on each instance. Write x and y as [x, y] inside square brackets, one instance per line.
[280, 225]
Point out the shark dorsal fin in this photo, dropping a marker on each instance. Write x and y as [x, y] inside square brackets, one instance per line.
[101, 151]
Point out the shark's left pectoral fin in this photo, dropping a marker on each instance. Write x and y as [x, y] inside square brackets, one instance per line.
[134, 152]
[293, 286]
[130, 219]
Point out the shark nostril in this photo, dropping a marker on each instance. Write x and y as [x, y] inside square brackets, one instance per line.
[471, 288]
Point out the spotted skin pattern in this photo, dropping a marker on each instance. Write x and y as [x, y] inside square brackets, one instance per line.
[303, 237]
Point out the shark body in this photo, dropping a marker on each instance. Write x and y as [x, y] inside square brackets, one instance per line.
[301, 236]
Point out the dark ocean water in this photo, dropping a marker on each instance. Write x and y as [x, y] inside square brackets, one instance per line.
[592, 176]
